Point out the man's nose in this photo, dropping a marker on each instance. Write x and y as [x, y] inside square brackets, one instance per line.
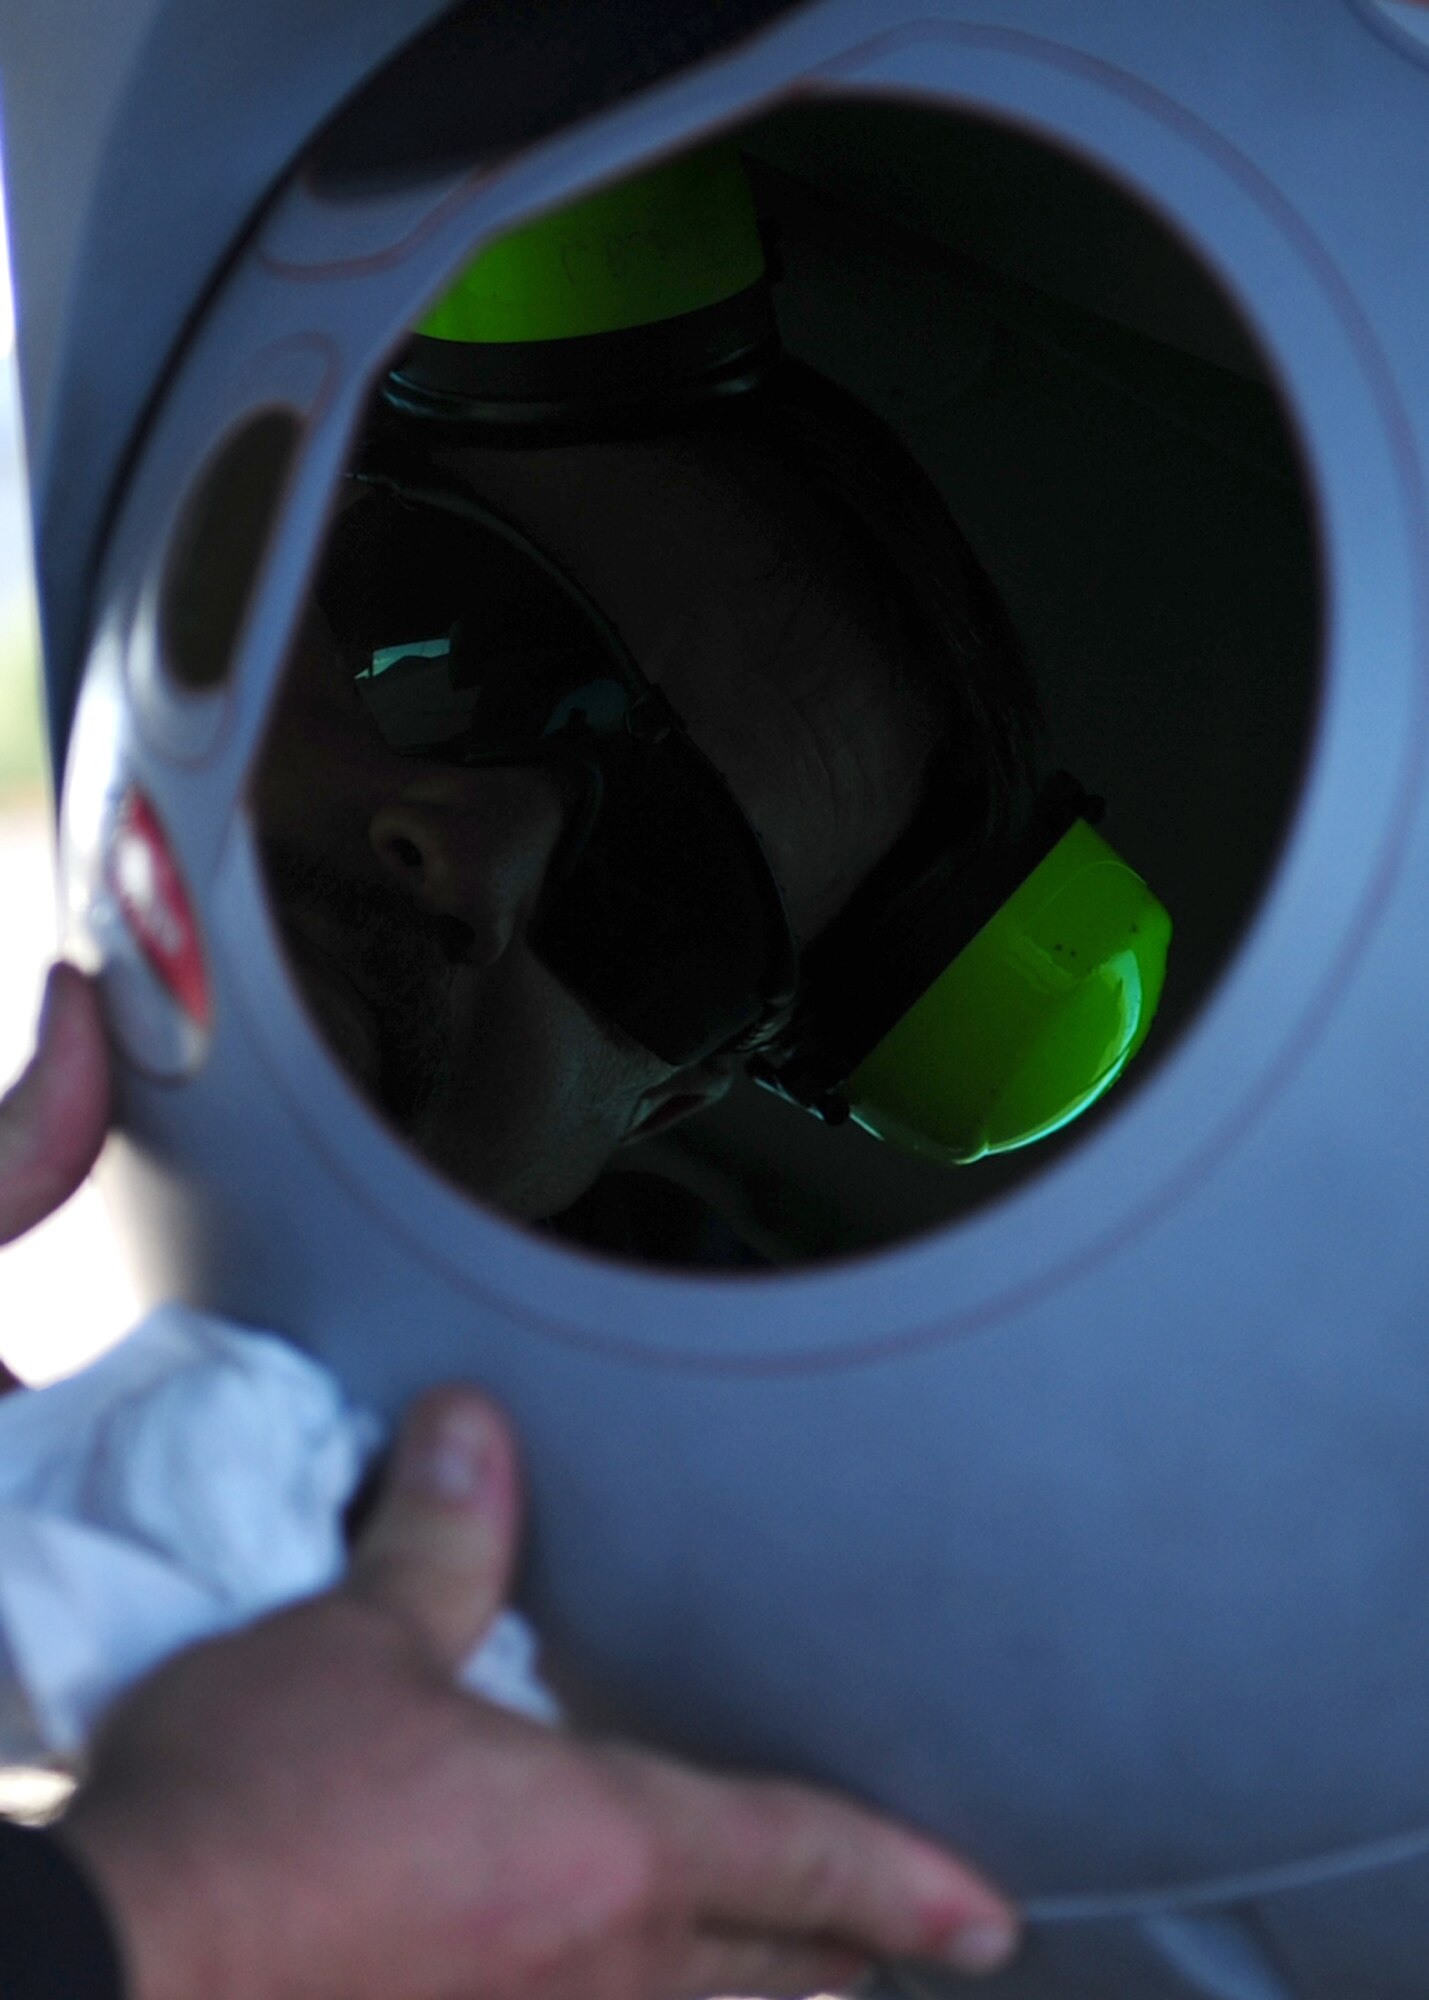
[474, 845]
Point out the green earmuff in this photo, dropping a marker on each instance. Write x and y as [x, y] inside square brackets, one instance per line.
[636, 302]
[977, 1014]
[974, 1002]
[1032, 1022]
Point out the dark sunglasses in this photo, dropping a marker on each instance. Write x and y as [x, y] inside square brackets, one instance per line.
[468, 645]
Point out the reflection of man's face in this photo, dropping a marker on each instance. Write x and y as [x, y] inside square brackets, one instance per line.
[734, 592]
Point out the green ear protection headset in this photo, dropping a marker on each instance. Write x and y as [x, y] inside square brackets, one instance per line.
[966, 1002]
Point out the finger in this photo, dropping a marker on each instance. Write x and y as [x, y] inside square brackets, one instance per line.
[768, 1967]
[762, 1855]
[438, 1549]
[52, 1122]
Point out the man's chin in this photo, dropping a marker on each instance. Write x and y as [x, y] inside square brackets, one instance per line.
[343, 1017]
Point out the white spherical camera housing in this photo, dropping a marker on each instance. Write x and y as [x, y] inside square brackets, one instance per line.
[1085, 1529]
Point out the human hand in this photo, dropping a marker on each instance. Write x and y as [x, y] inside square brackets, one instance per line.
[53, 1119]
[311, 1808]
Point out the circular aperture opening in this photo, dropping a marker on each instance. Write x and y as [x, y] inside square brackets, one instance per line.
[1108, 438]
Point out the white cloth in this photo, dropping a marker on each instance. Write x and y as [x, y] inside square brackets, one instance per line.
[192, 1478]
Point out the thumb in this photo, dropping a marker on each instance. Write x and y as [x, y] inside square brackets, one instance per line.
[52, 1122]
[438, 1550]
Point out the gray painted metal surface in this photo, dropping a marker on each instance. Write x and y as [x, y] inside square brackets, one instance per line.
[1089, 1533]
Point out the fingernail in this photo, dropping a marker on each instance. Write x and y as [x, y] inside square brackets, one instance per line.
[447, 1460]
[981, 1947]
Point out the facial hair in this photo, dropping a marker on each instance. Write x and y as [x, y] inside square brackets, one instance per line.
[400, 958]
